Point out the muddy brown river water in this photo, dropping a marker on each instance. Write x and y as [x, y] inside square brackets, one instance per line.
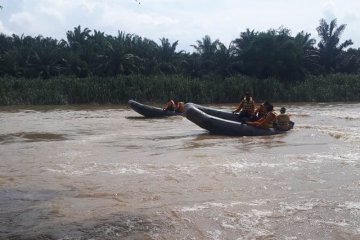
[104, 172]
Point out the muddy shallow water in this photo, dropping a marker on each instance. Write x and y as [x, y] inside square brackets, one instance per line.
[104, 172]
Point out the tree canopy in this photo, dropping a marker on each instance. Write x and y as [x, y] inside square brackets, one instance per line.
[272, 53]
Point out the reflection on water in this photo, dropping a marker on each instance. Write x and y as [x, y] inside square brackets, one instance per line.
[105, 172]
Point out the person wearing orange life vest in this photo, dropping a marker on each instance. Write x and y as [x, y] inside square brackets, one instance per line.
[283, 120]
[170, 105]
[179, 107]
[267, 121]
[261, 111]
[246, 108]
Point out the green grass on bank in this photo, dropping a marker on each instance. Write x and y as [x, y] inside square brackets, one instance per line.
[72, 90]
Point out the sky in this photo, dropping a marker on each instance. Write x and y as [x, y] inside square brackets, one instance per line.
[184, 20]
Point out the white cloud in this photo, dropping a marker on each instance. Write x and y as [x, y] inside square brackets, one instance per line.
[21, 19]
[52, 13]
[329, 10]
[114, 16]
[4, 30]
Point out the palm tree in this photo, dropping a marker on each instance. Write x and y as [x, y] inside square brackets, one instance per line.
[168, 58]
[207, 50]
[308, 54]
[141, 49]
[80, 56]
[205, 47]
[259, 56]
[97, 41]
[240, 46]
[116, 58]
[46, 58]
[167, 50]
[245, 40]
[329, 47]
[5, 43]
[77, 37]
[224, 60]
[350, 61]
[16, 59]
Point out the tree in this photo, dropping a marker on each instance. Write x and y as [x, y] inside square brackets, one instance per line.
[240, 46]
[116, 58]
[350, 61]
[77, 37]
[205, 47]
[168, 58]
[330, 48]
[308, 54]
[80, 55]
[224, 60]
[207, 50]
[274, 53]
[46, 58]
[16, 58]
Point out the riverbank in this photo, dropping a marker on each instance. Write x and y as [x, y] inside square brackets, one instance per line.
[103, 90]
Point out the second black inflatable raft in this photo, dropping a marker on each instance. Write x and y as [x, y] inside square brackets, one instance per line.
[222, 126]
[150, 111]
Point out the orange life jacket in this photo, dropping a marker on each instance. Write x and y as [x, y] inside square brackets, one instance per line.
[264, 122]
[248, 106]
[283, 121]
[269, 120]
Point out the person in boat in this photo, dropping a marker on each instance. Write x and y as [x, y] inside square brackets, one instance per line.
[261, 111]
[283, 120]
[267, 121]
[170, 105]
[179, 107]
[246, 108]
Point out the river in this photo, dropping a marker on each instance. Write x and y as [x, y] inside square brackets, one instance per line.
[104, 172]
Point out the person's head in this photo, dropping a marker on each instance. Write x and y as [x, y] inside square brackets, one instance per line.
[282, 110]
[247, 95]
[269, 107]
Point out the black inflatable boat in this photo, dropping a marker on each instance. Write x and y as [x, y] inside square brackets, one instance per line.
[202, 116]
[150, 111]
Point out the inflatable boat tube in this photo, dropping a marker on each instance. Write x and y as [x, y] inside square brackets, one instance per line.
[222, 126]
[150, 111]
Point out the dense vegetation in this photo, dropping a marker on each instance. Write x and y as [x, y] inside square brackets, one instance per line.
[71, 90]
[91, 66]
